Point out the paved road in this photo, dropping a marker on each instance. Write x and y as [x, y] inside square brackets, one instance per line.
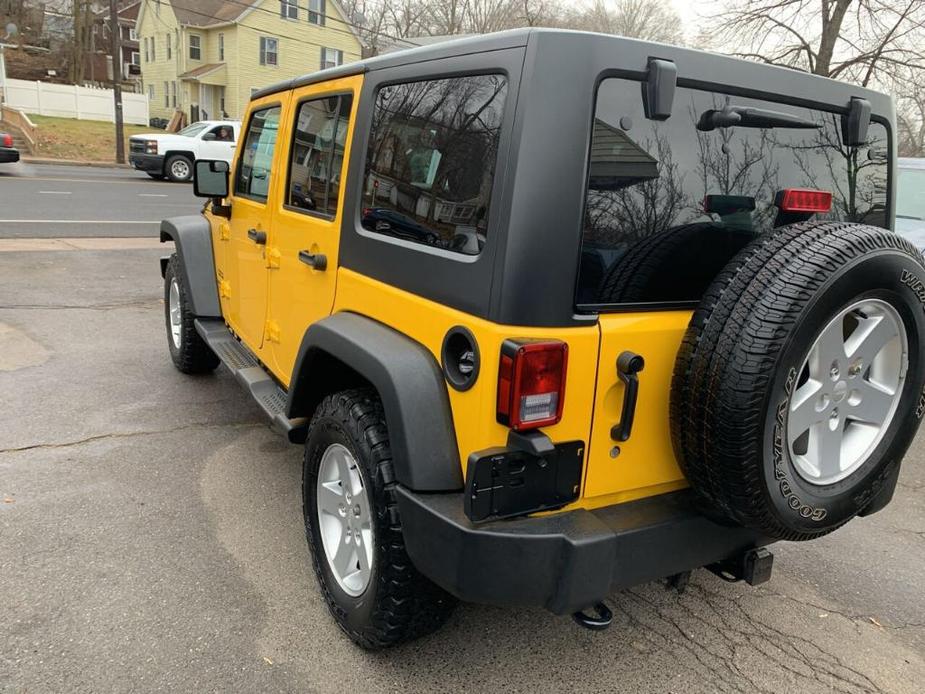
[151, 539]
[45, 201]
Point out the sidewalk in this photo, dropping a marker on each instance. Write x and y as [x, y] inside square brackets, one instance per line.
[73, 162]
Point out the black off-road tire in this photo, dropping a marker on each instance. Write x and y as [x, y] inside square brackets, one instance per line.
[169, 168]
[192, 355]
[399, 604]
[743, 350]
[682, 260]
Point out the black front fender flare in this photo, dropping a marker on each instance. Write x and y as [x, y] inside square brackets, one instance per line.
[410, 384]
[192, 238]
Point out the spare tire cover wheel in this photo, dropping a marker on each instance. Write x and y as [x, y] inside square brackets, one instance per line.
[811, 390]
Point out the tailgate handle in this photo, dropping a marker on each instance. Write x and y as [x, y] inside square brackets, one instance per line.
[629, 364]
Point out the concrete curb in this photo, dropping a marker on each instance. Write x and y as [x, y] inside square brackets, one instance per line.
[74, 162]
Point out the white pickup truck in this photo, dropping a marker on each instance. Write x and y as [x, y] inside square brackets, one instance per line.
[171, 155]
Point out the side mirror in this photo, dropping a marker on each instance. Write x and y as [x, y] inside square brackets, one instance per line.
[209, 137]
[211, 180]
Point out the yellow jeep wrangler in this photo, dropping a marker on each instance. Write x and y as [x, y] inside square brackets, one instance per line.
[555, 314]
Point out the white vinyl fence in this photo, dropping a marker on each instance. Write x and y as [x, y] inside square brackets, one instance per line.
[71, 101]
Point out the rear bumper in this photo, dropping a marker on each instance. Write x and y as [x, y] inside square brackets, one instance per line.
[564, 562]
[149, 163]
[8, 155]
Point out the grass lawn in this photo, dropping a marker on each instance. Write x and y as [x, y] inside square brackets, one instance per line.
[83, 140]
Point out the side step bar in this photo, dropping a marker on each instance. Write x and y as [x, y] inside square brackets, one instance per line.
[250, 374]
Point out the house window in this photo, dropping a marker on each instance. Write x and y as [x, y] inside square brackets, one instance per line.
[153, 48]
[151, 94]
[195, 47]
[221, 48]
[169, 47]
[331, 57]
[157, 7]
[166, 95]
[147, 52]
[269, 51]
[136, 58]
[316, 12]
[289, 9]
[173, 94]
[132, 34]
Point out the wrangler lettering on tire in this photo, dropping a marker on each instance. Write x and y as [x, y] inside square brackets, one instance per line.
[799, 381]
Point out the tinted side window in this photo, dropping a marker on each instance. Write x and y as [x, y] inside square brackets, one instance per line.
[669, 203]
[318, 154]
[431, 161]
[253, 175]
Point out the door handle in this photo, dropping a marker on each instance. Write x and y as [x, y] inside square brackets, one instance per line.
[629, 365]
[258, 237]
[316, 261]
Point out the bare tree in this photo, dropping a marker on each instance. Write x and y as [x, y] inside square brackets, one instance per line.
[651, 20]
[910, 114]
[857, 40]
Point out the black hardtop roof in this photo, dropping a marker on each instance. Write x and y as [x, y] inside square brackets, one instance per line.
[629, 56]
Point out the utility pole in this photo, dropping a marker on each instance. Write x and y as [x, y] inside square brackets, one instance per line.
[116, 35]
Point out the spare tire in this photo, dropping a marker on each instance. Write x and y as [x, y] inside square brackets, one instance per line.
[799, 384]
[691, 255]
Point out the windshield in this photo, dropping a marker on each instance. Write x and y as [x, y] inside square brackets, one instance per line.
[193, 130]
[910, 194]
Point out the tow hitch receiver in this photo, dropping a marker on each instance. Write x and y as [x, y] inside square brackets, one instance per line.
[753, 567]
[596, 622]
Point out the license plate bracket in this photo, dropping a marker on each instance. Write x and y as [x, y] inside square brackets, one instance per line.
[506, 482]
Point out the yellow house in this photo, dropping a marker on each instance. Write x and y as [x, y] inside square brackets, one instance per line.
[206, 57]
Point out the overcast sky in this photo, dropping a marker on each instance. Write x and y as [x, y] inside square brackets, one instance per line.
[686, 10]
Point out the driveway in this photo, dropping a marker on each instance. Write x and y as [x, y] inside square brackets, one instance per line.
[151, 539]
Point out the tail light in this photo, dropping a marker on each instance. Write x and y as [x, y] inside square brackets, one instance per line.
[7, 140]
[531, 383]
[803, 200]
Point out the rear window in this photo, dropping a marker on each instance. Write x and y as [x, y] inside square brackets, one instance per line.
[431, 161]
[669, 203]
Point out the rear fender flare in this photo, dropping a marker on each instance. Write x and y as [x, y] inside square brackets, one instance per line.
[345, 348]
[192, 238]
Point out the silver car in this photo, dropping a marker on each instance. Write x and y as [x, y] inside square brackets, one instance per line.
[910, 201]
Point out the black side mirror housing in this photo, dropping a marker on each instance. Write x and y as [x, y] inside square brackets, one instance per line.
[211, 181]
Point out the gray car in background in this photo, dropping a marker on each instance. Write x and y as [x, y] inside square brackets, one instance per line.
[910, 201]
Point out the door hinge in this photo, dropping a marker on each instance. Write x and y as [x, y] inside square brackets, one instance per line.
[273, 257]
[272, 331]
[224, 231]
[224, 289]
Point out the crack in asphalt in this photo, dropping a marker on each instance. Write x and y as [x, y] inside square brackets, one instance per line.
[130, 434]
[739, 632]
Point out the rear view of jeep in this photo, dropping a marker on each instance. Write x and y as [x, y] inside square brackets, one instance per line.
[605, 312]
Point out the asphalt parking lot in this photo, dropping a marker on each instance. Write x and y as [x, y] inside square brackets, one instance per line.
[151, 539]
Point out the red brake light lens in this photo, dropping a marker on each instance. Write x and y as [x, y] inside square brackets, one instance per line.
[531, 383]
[7, 140]
[803, 200]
